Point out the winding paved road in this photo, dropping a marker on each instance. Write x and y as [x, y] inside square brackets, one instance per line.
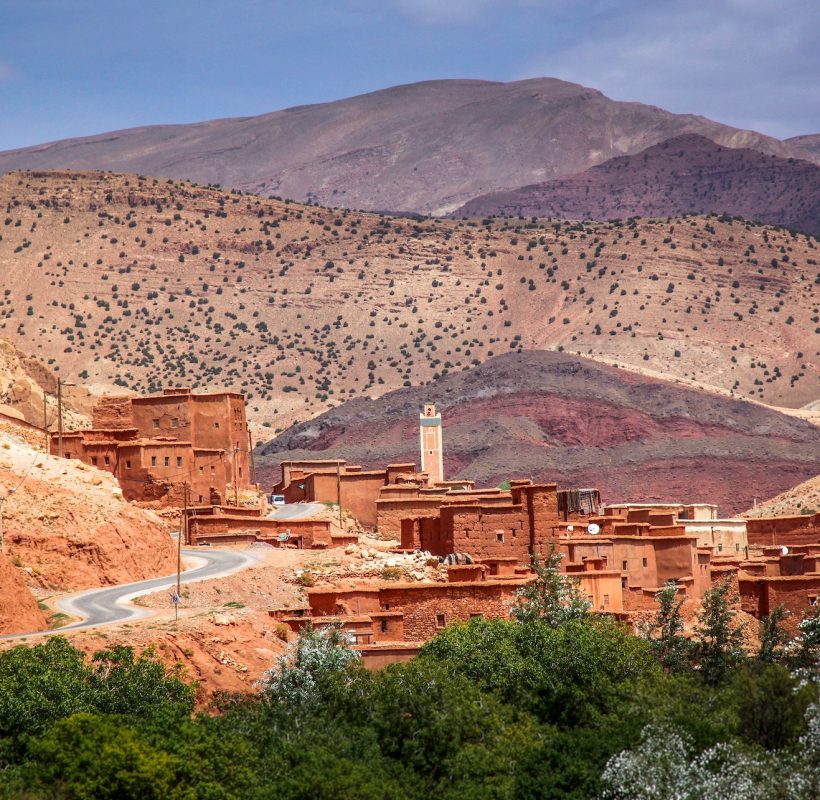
[111, 605]
[297, 511]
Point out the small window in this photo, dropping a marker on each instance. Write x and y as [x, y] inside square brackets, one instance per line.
[167, 461]
[153, 461]
[68, 455]
[128, 463]
[720, 548]
[737, 548]
[179, 461]
[240, 472]
[499, 537]
[155, 423]
[107, 461]
[624, 565]
[623, 583]
[645, 562]
[94, 460]
[201, 499]
[213, 470]
[440, 620]
[174, 422]
[384, 626]
[216, 425]
[606, 599]
[201, 470]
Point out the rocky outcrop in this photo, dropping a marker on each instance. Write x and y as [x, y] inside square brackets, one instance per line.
[19, 612]
[23, 382]
[68, 527]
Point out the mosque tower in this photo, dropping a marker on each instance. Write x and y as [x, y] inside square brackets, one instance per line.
[432, 447]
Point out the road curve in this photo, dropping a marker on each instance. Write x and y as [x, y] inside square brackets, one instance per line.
[111, 605]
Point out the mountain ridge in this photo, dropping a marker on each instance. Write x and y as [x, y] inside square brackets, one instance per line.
[683, 175]
[426, 147]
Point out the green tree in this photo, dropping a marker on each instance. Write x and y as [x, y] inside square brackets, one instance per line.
[98, 758]
[718, 644]
[553, 597]
[671, 648]
[771, 704]
[773, 637]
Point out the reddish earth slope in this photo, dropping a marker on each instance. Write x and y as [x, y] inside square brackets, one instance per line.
[19, 612]
[425, 147]
[686, 175]
[66, 525]
[561, 418]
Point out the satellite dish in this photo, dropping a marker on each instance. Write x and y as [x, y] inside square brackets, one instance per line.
[593, 528]
[784, 551]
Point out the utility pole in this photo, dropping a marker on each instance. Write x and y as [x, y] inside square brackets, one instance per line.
[250, 451]
[235, 475]
[339, 491]
[45, 422]
[183, 534]
[60, 417]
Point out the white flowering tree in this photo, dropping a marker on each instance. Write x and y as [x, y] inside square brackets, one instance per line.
[317, 654]
[664, 766]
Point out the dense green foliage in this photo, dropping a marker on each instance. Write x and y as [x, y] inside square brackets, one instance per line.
[489, 710]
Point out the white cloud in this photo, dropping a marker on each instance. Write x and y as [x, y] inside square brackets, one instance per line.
[749, 63]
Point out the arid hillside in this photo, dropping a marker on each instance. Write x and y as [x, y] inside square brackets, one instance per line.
[801, 499]
[424, 147]
[808, 145]
[130, 282]
[28, 390]
[554, 417]
[686, 175]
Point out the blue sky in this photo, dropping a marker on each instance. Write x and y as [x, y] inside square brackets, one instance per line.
[76, 67]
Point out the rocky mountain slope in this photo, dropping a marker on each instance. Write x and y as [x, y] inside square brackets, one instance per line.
[25, 380]
[803, 498]
[424, 147]
[139, 283]
[686, 175]
[555, 417]
[808, 145]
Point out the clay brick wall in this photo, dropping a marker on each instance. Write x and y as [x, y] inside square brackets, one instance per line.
[432, 538]
[112, 413]
[541, 504]
[391, 510]
[794, 592]
[427, 609]
[803, 529]
[314, 532]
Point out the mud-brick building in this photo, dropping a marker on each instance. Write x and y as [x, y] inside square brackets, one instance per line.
[155, 445]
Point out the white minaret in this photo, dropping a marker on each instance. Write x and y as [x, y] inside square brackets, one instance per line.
[432, 445]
